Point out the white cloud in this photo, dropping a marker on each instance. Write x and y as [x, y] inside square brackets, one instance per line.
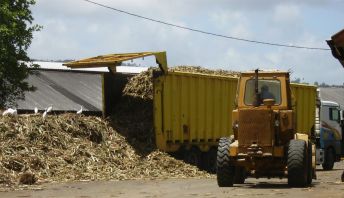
[286, 13]
[93, 28]
[240, 31]
[231, 23]
[223, 17]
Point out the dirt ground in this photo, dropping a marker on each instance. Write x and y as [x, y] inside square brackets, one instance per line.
[328, 184]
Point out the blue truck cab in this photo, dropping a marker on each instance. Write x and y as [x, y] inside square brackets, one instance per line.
[328, 131]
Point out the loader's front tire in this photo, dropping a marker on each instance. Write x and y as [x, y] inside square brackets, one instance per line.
[225, 171]
[297, 163]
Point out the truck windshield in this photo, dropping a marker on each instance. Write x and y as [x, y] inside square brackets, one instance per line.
[267, 89]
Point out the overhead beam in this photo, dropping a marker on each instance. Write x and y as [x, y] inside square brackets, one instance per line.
[113, 60]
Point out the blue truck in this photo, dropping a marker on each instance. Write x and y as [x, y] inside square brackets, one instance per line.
[329, 134]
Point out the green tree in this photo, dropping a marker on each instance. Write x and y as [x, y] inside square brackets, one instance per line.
[16, 33]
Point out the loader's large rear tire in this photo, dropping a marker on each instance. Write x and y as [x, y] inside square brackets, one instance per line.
[329, 159]
[297, 163]
[225, 171]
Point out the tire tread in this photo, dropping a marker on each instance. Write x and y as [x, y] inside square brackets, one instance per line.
[225, 172]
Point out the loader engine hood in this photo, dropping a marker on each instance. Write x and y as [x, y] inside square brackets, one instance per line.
[255, 127]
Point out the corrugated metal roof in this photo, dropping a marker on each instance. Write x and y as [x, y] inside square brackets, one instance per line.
[66, 91]
[335, 94]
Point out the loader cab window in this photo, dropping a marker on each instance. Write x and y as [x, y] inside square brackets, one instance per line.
[334, 114]
[267, 89]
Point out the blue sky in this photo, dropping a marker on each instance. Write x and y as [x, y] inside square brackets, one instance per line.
[74, 29]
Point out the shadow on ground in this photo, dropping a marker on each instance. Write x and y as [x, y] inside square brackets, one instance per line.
[322, 170]
[268, 185]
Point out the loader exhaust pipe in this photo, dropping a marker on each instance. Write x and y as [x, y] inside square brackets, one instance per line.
[256, 91]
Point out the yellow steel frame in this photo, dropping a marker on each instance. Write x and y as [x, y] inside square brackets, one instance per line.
[113, 60]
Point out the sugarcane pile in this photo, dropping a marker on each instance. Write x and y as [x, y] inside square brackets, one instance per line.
[201, 70]
[141, 85]
[73, 147]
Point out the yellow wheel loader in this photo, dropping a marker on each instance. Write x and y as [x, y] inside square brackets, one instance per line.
[270, 137]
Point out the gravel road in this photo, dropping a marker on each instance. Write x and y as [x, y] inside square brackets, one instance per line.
[328, 185]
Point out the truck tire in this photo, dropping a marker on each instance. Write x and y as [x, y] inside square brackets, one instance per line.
[240, 175]
[297, 163]
[329, 159]
[225, 172]
[193, 156]
[210, 160]
[309, 163]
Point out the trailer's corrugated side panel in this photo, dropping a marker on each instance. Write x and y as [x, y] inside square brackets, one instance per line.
[304, 106]
[192, 109]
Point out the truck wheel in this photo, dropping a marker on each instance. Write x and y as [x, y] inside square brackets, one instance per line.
[193, 156]
[297, 163]
[309, 163]
[240, 175]
[329, 159]
[210, 160]
[225, 171]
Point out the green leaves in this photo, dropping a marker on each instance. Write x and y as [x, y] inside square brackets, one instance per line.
[16, 33]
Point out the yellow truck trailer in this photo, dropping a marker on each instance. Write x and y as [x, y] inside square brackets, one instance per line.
[191, 113]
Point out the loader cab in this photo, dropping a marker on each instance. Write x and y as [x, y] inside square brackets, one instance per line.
[269, 89]
[264, 89]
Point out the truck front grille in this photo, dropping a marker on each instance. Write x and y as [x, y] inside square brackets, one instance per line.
[255, 127]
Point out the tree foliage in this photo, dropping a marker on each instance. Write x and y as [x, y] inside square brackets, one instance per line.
[16, 33]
